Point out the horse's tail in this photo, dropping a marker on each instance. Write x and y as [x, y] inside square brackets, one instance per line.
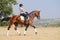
[5, 19]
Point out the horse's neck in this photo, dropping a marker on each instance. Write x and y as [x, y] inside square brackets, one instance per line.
[32, 16]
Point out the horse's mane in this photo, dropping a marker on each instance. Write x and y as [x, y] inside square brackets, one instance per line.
[33, 11]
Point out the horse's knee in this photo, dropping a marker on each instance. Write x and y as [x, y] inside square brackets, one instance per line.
[33, 26]
[16, 24]
[15, 28]
[26, 28]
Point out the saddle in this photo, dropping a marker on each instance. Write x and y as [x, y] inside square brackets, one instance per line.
[25, 18]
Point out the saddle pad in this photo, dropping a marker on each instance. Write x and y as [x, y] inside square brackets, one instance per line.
[22, 18]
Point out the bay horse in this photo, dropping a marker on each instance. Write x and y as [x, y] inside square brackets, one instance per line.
[17, 20]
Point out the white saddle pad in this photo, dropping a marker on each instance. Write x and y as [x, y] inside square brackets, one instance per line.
[22, 17]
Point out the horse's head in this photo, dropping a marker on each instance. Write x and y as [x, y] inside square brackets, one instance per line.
[37, 14]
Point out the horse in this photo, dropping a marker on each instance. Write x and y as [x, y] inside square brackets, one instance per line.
[17, 20]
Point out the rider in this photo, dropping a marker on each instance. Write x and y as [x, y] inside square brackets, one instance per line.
[23, 13]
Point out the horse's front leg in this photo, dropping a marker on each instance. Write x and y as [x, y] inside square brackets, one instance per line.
[26, 29]
[34, 29]
[16, 25]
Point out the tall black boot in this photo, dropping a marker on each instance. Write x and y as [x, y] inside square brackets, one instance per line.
[25, 21]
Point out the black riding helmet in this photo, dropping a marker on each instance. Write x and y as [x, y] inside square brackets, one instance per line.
[20, 5]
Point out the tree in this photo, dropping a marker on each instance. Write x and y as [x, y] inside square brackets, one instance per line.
[6, 7]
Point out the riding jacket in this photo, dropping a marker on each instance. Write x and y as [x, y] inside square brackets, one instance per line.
[22, 10]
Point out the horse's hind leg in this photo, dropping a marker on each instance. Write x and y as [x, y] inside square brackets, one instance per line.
[16, 24]
[34, 29]
[8, 29]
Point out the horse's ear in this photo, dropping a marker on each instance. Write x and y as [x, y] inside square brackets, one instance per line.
[38, 11]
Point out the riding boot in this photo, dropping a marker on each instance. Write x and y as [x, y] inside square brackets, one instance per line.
[25, 21]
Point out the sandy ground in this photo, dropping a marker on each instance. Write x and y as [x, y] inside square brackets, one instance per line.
[44, 33]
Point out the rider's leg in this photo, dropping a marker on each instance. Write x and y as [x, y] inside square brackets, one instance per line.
[25, 19]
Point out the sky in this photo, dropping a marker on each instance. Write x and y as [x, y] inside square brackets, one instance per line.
[48, 8]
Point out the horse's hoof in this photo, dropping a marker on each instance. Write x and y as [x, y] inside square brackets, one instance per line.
[24, 34]
[35, 32]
